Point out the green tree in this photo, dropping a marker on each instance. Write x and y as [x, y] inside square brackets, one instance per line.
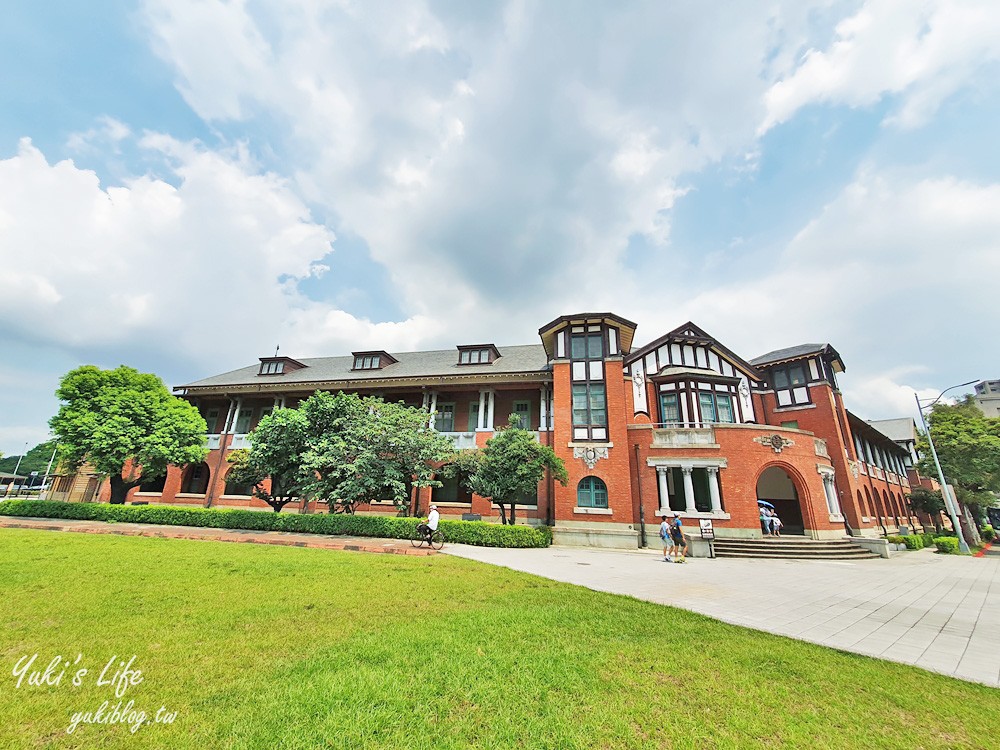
[968, 446]
[125, 424]
[36, 459]
[276, 449]
[366, 449]
[509, 467]
[929, 502]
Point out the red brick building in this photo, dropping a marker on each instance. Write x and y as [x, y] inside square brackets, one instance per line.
[682, 424]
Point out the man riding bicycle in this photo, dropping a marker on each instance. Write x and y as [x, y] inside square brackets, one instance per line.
[427, 529]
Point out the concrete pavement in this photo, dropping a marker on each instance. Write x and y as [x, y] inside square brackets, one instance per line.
[939, 612]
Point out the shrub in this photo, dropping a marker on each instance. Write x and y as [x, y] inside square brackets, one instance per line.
[929, 539]
[895, 539]
[988, 533]
[947, 545]
[913, 541]
[476, 533]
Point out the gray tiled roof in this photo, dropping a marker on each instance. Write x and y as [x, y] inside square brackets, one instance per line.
[791, 352]
[901, 428]
[441, 363]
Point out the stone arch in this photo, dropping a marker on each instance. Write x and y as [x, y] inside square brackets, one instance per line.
[195, 479]
[784, 487]
[861, 505]
[889, 509]
[232, 488]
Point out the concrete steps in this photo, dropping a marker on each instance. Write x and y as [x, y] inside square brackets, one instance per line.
[793, 548]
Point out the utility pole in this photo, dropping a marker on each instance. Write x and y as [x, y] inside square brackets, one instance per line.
[48, 470]
[949, 501]
[16, 467]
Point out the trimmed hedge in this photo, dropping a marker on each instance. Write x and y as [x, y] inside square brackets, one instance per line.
[988, 533]
[478, 533]
[914, 541]
[946, 545]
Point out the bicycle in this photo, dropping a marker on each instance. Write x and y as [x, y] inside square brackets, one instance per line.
[434, 540]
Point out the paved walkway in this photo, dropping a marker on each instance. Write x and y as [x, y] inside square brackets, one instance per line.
[283, 538]
[939, 612]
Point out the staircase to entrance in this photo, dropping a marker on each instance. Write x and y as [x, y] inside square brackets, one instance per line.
[794, 548]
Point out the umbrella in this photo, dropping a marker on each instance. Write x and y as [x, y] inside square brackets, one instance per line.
[765, 503]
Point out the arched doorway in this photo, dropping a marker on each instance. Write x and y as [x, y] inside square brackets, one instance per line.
[195, 479]
[776, 487]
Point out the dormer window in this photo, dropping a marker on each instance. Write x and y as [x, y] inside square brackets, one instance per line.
[372, 360]
[478, 354]
[278, 365]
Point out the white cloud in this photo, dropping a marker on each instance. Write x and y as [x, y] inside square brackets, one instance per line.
[896, 273]
[923, 51]
[150, 264]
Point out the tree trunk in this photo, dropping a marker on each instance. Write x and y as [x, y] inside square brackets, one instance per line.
[120, 489]
[503, 514]
[513, 510]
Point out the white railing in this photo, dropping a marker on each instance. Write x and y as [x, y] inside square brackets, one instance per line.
[462, 440]
[213, 441]
[239, 441]
[675, 436]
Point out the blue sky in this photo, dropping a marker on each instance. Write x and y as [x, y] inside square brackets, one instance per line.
[184, 185]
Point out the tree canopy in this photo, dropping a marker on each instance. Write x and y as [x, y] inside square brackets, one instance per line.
[344, 450]
[277, 445]
[509, 468]
[367, 449]
[968, 446]
[125, 424]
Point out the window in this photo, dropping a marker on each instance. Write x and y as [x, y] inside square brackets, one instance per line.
[591, 493]
[715, 407]
[589, 404]
[367, 362]
[211, 419]
[444, 420]
[243, 423]
[523, 410]
[670, 412]
[586, 346]
[790, 385]
[474, 357]
[154, 485]
[452, 490]
[272, 368]
[195, 479]
[473, 416]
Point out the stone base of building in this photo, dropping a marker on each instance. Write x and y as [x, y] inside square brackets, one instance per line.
[600, 535]
[825, 534]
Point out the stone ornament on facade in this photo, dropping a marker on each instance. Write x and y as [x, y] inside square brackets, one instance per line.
[853, 465]
[590, 455]
[776, 442]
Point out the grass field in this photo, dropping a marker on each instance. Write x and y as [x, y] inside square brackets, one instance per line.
[272, 647]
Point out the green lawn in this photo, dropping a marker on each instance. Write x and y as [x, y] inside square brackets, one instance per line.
[276, 647]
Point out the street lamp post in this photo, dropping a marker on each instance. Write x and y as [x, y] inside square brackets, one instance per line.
[949, 501]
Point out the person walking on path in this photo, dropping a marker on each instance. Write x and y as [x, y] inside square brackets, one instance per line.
[665, 536]
[679, 547]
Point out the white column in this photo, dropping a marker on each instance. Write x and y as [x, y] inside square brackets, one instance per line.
[542, 411]
[688, 490]
[229, 416]
[661, 481]
[831, 495]
[277, 404]
[426, 402]
[236, 414]
[713, 488]
[490, 425]
[434, 406]
[482, 411]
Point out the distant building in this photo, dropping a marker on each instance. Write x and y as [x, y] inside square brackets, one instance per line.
[680, 425]
[988, 397]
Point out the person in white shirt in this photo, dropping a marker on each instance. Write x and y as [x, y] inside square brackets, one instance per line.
[432, 523]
